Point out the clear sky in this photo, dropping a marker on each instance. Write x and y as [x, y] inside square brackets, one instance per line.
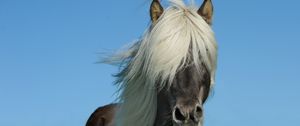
[49, 50]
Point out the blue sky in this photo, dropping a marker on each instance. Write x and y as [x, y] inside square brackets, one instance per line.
[49, 50]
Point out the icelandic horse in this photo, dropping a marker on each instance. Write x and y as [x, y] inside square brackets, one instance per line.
[168, 74]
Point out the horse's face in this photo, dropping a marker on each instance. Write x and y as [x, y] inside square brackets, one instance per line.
[182, 103]
[187, 95]
[190, 88]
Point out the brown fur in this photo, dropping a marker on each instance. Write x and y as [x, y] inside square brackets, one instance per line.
[156, 10]
[206, 11]
[103, 116]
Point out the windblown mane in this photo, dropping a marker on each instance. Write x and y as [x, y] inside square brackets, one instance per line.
[152, 62]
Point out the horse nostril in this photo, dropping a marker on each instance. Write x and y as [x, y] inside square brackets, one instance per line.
[197, 114]
[178, 116]
[199, 111]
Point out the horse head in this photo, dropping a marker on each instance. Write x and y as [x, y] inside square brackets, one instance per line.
[168, 73]
[182, 102]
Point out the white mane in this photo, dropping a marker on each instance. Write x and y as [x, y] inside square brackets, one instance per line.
[157, 56]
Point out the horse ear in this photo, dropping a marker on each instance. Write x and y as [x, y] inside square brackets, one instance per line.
[156, 10]
[206, 11]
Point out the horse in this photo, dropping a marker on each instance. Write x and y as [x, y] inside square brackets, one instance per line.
[168, 74]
